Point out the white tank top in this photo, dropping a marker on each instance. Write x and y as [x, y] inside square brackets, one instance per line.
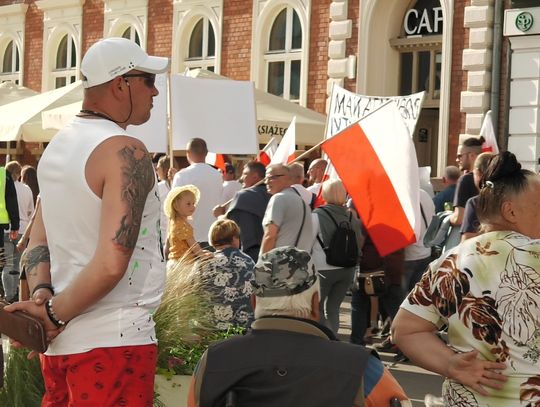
[71, 214]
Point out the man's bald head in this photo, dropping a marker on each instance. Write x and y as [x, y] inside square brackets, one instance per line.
[316, 170]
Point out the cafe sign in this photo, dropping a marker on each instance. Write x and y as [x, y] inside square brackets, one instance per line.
[424, 19]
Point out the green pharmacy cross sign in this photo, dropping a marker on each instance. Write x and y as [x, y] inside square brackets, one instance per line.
[524, 21]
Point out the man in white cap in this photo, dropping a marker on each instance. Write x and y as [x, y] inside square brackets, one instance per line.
[94, 262]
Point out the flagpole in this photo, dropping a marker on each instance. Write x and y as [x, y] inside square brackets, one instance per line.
[352, 124]
[169, 132]
[320, 143]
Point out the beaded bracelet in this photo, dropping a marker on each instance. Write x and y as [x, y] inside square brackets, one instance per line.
[44, 285]
[52, 316]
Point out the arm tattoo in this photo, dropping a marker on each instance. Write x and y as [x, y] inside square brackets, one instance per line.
[138, 178]
[31, 259]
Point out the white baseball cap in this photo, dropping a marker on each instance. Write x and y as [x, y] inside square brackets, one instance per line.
[112, 57]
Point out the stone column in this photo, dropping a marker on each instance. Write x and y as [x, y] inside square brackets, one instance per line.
[477, 62]
[340, 30]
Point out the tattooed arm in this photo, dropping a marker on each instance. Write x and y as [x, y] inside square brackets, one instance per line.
[35, 260]
[120, 172]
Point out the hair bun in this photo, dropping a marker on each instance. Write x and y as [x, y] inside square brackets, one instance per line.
[503, 165]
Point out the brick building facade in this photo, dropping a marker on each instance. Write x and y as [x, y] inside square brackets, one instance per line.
[356, 44]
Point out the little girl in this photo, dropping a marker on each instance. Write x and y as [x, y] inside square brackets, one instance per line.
[179, 206]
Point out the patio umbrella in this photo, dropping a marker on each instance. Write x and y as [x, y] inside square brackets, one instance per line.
[21, 120]
[274, 114]
[10, 92]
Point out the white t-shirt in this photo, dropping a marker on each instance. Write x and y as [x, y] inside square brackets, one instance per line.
[315, 188]
[306, 195]
[163, 190]
[210, 184]
[26, 205]
[71, 216]
[417, 250]
[229, 189]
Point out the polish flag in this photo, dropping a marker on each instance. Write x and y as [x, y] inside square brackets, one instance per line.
[266, 154]
[376, 160]
[487, 131]
[217, 160]
[285, 152]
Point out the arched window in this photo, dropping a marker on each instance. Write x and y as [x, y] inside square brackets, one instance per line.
[65, 72]
[283, 56]
[10, 63]
[131, 34]
[202, 46]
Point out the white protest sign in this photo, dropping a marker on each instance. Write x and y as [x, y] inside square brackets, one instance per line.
[347, 108]
[220, 112]
[153, 133]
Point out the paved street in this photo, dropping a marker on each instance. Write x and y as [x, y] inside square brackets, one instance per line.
[416, 381]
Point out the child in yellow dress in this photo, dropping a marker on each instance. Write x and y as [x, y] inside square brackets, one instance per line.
[179, 206]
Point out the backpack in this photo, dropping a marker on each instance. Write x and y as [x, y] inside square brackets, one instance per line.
[438, 230]
[342, 251]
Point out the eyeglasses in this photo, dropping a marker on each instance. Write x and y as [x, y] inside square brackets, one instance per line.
[273, 177]
[149, 78]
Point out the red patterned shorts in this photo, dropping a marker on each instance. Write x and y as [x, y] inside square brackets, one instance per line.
[122, 376]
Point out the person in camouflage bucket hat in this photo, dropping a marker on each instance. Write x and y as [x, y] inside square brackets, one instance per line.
[283, 271]
[288, 358]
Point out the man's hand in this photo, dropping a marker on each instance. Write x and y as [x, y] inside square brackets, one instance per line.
[41, 296]
[39, 311]
[170, 174]
[219, 210]
[21, 246]
[34, 309]
[475, 373]
[13, 235]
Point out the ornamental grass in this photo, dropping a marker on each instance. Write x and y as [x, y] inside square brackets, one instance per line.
[23, 383]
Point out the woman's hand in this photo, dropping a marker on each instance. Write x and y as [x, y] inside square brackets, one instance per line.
[469, 370]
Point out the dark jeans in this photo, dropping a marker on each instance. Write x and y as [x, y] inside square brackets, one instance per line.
[361, 308]
[414, 269]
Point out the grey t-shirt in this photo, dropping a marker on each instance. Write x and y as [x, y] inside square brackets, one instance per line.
[285, 211]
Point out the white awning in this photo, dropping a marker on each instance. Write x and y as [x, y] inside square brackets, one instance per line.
[21, 120]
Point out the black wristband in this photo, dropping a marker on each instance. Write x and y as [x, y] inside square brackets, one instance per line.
[43, 285]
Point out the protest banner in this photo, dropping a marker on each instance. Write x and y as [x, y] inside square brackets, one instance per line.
[220, 112]
[347, 108]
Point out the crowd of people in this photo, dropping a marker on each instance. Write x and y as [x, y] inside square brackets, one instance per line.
[100, 238]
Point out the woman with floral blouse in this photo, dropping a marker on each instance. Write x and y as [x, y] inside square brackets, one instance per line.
[487, 290]
[228, 275]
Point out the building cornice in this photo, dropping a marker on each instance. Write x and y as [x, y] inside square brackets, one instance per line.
[13, 10]
[46, 5]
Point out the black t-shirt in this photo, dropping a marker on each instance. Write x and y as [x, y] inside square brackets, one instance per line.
[470, 223]
[465, 189]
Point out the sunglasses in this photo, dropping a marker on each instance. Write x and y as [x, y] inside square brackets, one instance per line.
[273, 177]
[149, 78]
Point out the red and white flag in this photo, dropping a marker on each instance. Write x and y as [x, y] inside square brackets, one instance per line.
[266, 154]
[376, 160]
[488, 132]
[285, 152]
[217, 160]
